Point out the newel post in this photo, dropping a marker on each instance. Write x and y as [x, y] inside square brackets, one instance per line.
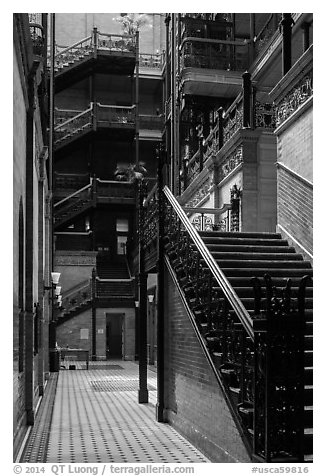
[235, 194]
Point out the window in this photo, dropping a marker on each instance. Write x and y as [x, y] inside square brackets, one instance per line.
[121, 248]
[122, 225]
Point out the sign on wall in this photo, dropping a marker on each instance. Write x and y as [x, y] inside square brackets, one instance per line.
[84, 333]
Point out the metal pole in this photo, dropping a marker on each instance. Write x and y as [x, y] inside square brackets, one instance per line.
[142, 337]
[160, 293]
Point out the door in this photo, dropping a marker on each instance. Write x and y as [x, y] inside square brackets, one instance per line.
[114, 336]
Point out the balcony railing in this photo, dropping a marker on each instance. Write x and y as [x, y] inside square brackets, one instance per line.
[241, 114]
[115, 114]
[151, 122]
[37, 33]
[214, 54]
[71, 122]
[147, 60]
[96, 42]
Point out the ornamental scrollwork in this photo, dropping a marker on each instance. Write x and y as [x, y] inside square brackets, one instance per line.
[294, 99]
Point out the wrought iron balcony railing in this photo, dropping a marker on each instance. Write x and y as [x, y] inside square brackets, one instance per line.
[37, 33]
[257, 114]
[71, 122]
[214, 54]
[147, 60]
[91, 45]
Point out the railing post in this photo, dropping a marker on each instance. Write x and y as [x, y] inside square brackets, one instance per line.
[95, 41]
[220, 112]
[286, 24]
[93, 284]
[235, 194]
[246, 85]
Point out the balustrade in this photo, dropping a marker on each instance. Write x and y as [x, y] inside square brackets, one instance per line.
[258, 359]
[214, 54]
[147, 60]
[294, 98]
[91, 45]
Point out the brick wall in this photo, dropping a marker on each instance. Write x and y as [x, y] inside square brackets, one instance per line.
[295, 145]
[295, 208]
[68, 333]
[194, 402]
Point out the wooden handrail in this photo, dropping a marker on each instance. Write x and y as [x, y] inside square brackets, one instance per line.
[227, 289]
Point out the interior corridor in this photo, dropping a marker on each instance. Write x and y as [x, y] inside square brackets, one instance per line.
[93, 416]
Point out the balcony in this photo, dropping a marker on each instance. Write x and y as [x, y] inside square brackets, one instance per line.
[97, 53]
[151, 65]
[75, 124]
[212, 67]
[150, 126]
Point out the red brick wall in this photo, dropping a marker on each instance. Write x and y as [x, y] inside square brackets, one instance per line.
[295, 208]
[194, 402]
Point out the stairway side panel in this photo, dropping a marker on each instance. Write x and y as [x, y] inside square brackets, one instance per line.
[194, 402]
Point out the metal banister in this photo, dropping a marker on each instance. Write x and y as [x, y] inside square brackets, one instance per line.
[217, 273]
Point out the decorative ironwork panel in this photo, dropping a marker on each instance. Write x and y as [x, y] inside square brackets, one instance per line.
[233, 122]
[294, 99]
[230, 163]
[265, 115]
[279, 371]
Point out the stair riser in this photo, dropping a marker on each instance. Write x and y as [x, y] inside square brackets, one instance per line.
[256, 256]
[260, 272]
[239, 234]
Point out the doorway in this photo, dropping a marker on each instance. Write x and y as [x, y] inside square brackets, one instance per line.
[114, 336]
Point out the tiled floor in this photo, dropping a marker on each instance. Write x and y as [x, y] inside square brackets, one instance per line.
[97, 418]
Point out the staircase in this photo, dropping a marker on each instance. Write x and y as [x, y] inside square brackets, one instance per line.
[114, 280]
[249, 299]
[242, 256]
[76, 300]
[73, 205]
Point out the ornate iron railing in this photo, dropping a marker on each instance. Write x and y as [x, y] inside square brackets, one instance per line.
[72, 126]
[114, 189]
[69, 123]
[115, 114]
[214, 54]
[299, 94]
[77, 296]
[233, 119]
[118, 43]
[265, 115]
[36, 28]
[75, 52]
[147, 60]
[151, 122]
[258, 360]
[97, 41]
